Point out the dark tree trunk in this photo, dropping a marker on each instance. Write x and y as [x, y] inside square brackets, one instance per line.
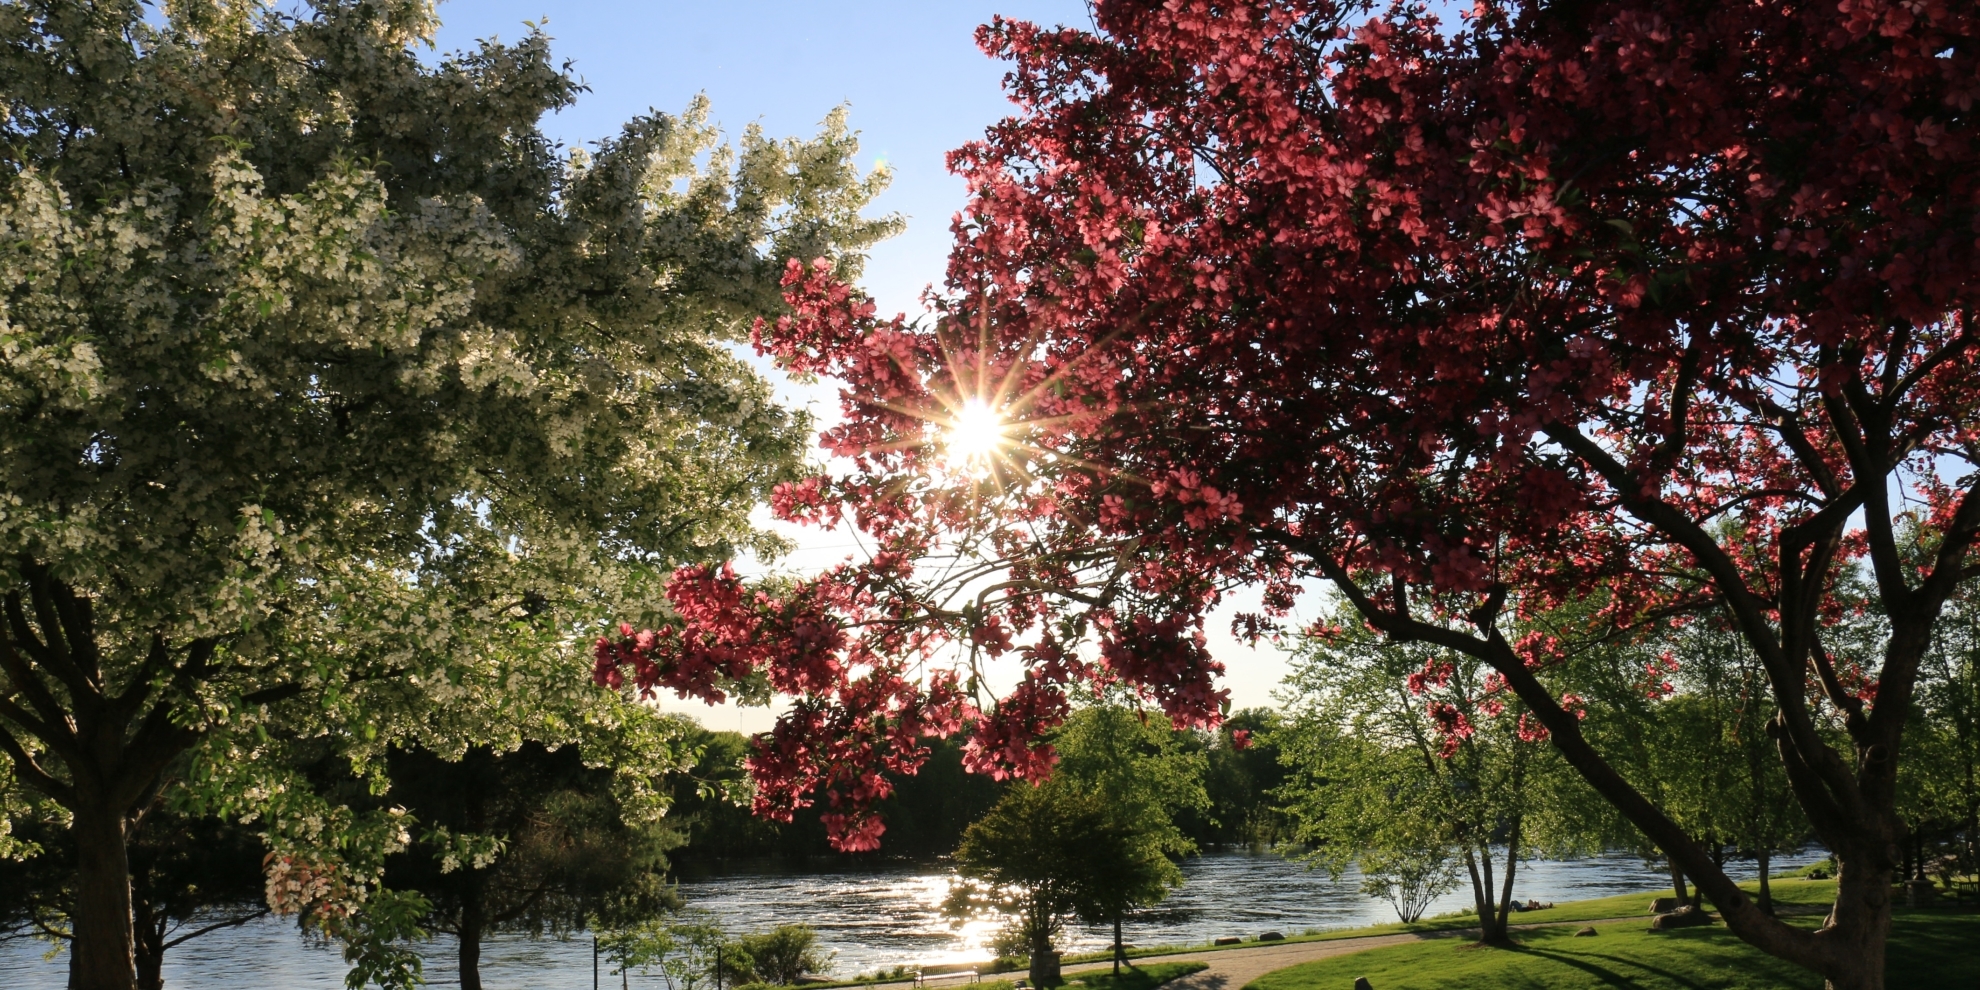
[1493, 908]
[1481, 901]
[1859, 924]
[102, 957]
[1044, 970]
[1765, 902]
[1677, 884]
[115, 745]
[1504, 935]
[1120, 954]
[148, 938]
[473, 923]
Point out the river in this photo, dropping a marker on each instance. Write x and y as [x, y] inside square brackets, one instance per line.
[870, 917]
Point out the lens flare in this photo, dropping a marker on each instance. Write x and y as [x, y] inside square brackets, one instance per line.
[974, 435]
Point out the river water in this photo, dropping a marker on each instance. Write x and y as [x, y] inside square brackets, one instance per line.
[871, 917]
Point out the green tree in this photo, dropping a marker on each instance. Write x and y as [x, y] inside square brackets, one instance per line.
[1153, 777]
[1403, 758]
[337, 395]
[1101, 831]
[687, 948]
[1132, 759]
[1242, 771]
[530, 840]
[1053, 852]
[1940, 787]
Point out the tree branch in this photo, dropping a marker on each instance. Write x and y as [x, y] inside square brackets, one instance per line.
[30, 771]
[209, 929]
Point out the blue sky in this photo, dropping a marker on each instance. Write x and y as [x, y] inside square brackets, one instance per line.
[917, 87]
[911, 73]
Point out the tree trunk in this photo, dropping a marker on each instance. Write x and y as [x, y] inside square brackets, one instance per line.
[1479, 899]
[148, 940]
[1505, 895]
[472, 924]
[1677, 883]
[1766, 899]
[102, 956]
[1044, 970]
[1492, 913]
[115, 746]
[1118, 951]
[1858, 925]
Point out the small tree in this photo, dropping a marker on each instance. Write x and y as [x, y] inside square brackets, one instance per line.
[1049, 853]
[686, 948]
[1126, 876]
[1409, 878]
[1151, 775]
[782, 955]
[1397, 756]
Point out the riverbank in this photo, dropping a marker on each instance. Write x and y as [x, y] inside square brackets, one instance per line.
[1792, 895]
[1931, 947]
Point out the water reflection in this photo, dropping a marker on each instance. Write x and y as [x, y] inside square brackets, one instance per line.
[871, 917]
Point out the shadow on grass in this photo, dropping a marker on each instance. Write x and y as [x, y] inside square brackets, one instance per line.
[1147, 978]
[1610, 977]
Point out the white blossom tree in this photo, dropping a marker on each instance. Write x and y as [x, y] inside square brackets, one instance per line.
[339, 401]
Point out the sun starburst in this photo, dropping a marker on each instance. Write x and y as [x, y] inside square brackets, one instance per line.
[973, 437]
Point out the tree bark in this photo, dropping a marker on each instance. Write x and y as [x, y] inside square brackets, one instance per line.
[1118, 952]
[472, 924]
[1480, 900]
[148, 940]
[1859, 924]
[1765, 902]
[1044, 970]
[102, 957]
[1677, 884]
[1494, 910]
[1504, 933]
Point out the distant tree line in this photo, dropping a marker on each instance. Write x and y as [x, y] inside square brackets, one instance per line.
[928, 812]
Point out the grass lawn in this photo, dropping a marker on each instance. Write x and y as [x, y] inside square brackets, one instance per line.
[1140, 978]
[1788, 894]
[1928, 949]
[1143, 978]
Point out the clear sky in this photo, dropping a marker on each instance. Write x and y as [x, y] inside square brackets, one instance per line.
[917, 87]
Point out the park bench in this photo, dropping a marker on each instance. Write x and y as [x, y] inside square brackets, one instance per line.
[922, 979]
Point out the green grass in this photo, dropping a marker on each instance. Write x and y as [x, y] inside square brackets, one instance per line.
[1788, 893]
[1139, 978]
[1928, 949]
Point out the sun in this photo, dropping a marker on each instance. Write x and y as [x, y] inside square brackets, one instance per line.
[972, 437]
